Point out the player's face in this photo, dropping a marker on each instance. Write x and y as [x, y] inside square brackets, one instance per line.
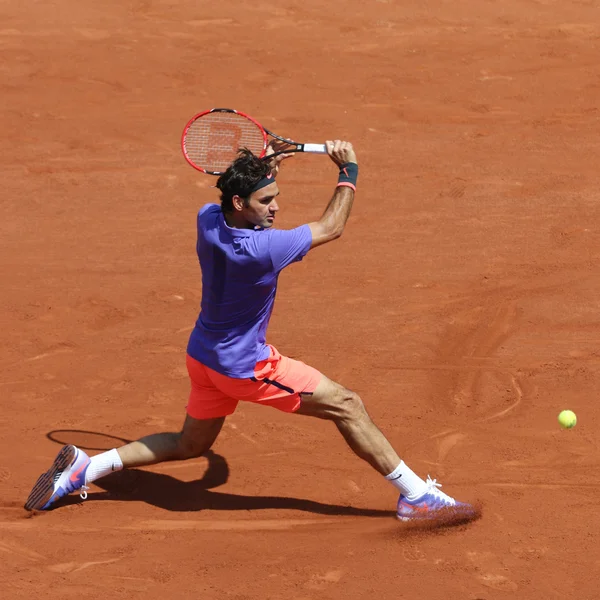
[262, 206]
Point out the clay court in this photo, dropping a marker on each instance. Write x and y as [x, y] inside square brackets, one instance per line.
[462, 302]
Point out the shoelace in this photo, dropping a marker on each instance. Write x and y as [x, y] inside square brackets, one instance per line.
[432, 487]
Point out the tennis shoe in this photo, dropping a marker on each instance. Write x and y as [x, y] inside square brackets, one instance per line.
[433, 504]
[65, 476]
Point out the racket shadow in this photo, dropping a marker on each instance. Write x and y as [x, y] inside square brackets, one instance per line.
[86, 440]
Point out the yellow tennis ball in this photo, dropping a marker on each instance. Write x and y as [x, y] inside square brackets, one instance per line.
[567, 419]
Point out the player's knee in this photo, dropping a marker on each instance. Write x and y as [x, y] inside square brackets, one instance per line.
[350, 405]
[191, 448]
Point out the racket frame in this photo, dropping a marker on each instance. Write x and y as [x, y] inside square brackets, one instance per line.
[297, 147]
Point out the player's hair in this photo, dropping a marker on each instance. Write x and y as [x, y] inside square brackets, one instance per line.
[241, 177]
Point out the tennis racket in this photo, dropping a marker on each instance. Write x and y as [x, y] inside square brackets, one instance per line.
[211, 140]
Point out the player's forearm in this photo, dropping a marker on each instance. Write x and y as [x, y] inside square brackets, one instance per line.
[338, 210]
[331, 225]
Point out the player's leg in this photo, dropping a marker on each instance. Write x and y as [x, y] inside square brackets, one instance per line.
[419, 499]
[195, 439]
[72, 470]
[206, 411]
[335, 403]
[292, 386]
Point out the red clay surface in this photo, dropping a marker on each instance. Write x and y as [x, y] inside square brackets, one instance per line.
[462, 302]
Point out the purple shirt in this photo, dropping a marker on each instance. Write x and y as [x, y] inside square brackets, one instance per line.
[240, 268]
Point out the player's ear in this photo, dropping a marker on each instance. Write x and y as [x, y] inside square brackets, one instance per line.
[238, 202]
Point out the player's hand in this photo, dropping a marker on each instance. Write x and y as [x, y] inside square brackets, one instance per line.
[341, 152]
[275, 162]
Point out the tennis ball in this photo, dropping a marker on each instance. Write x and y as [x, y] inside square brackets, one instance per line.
[567, 419]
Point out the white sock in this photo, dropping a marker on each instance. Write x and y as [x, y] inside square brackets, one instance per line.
[103, 464]
[407, 481]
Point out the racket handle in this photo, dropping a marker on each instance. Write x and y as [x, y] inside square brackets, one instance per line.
[315, 148]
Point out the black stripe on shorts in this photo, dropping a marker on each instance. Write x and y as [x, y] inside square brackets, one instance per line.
[285, 388]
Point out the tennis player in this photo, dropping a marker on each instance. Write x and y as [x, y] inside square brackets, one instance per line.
[241, 255]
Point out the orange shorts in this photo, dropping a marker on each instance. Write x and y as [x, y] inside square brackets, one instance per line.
[278, 381]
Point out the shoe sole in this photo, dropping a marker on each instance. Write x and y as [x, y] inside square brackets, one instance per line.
[448, 515]
[43, 490]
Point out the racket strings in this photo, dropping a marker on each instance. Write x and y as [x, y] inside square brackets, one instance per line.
[213, 140]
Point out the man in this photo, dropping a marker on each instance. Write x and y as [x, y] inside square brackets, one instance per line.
[228, 359]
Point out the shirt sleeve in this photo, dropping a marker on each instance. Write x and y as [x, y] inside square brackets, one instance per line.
[288, 246]
[211, 206]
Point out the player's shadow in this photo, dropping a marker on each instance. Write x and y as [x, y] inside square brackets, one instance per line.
[172, 494]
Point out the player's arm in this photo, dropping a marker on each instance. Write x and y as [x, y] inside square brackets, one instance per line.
[331, 225]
